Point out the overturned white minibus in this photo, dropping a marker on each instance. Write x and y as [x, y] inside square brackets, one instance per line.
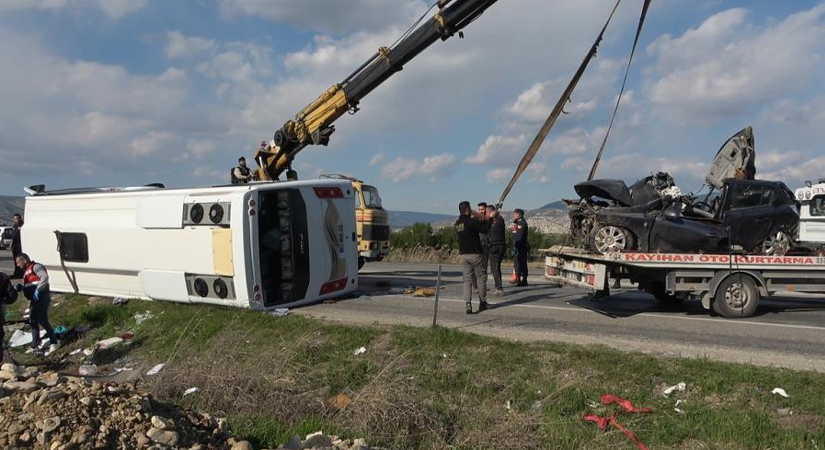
[259, 245]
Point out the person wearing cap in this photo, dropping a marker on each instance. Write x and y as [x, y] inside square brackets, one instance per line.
[520, 247]
[241, 173]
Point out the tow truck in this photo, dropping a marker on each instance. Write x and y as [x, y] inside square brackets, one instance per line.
[730, 285]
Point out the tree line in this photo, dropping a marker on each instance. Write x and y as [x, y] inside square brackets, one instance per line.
[423, 235]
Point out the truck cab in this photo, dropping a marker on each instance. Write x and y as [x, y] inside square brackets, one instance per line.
[372, 221]
[812, 214]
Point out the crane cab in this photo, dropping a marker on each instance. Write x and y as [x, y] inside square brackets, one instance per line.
[812, 213]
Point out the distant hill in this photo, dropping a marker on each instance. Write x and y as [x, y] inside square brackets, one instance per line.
[403, 219]
[9, 206]
[551, 218]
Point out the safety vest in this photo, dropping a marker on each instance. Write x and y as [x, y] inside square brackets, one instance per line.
[29, 276]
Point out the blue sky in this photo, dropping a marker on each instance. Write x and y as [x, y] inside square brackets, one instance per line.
[127, 92]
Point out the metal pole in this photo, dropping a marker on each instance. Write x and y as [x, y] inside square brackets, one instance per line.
[437, 291]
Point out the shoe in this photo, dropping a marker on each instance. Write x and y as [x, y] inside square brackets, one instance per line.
[482, 306]
[498, 291]
[468, 309]
[522, 283]
[32, 350]
[513, 282]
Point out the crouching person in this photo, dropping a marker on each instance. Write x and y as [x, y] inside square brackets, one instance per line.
[8, 295]
[35, 287]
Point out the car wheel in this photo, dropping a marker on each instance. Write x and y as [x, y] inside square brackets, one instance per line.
[610, 239]
[736, 297]
[777, 244]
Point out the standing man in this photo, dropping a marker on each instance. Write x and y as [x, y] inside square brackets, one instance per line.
[520, 247]
[468, 226]
[241, 174]
[36, 288]
[496, 245]
[16, 244]
[482, 237]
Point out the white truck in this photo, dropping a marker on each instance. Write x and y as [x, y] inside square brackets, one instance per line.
[729, 284]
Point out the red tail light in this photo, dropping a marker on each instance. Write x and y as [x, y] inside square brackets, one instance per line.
[333, 286]
[329, 192]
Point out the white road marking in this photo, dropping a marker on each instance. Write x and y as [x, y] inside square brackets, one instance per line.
[663, 316]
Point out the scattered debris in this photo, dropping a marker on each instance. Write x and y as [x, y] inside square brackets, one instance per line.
[678, 387]
[340, 401]
[191, 390]
[155, 370]
[361, 351]
[676, 407]
[75, 351]
[507, 405]
[120, 301]
[279, 312]
[780, 392]
[127, 336]
[21, 338]
[109, 343]
[86, 370]
[142, 317]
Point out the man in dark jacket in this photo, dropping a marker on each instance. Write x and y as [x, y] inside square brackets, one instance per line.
[7, 295]
[241, 173]
[496, 245]
[16, 244]
[468, 226]
[520, 247]
[482, 237]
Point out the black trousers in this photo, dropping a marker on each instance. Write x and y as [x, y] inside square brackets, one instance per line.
[496, 254]
[39, 316]
[521, 261]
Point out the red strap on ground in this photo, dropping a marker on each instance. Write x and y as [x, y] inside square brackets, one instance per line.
[605, 422]
[626, 405]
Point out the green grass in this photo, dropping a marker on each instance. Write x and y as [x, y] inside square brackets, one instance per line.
[421, 388]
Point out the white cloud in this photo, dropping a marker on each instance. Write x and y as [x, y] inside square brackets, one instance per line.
[112, 8]
[431, 167]
[188, 47]
[376, 160]
[500, 150]
[499, 175]
[728, 66]
[328, 16]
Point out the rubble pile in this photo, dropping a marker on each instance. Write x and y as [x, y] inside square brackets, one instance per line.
[51, 411]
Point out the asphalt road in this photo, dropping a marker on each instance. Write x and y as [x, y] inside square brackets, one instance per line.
[787, 331]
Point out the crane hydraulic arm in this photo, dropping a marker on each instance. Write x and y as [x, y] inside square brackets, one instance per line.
[313, 125]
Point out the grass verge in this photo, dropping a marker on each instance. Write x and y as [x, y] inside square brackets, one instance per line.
[442, 389]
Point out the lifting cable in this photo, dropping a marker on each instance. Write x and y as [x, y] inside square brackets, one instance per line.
[621, 92]
[565, 97]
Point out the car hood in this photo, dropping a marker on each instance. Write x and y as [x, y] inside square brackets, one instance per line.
[615, 190]
[736, 159]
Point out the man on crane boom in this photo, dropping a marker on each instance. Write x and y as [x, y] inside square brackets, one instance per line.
[313, 124]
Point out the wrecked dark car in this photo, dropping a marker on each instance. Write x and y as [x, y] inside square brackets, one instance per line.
[738, 214]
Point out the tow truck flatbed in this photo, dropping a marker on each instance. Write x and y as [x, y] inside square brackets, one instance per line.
[729, 284]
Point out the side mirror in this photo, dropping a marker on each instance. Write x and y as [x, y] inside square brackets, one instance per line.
[672, 212]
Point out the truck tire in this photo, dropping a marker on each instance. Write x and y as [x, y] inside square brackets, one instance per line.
[736, 297]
